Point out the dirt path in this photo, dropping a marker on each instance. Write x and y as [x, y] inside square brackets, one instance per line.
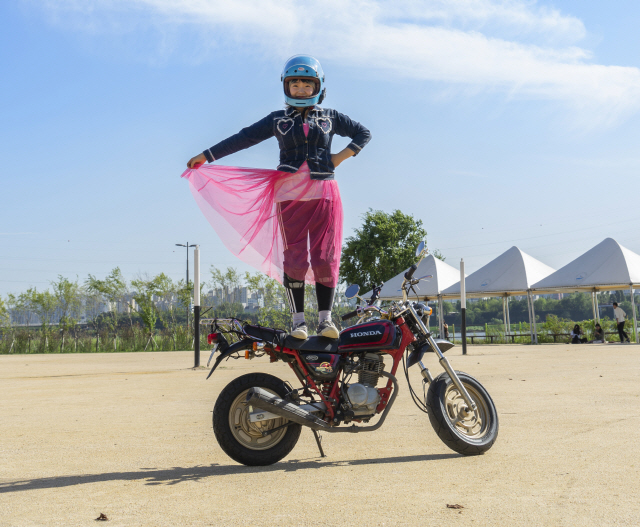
[129, 435]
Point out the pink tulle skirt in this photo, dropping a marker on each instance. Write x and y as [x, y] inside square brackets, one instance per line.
[275, 221]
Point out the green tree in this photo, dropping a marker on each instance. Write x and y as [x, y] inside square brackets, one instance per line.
[255, 282]
[45, 305]
[275, 312]
[228, 281]
[184, 294]
[113, 288]
[167, 291]
[5, 318]
[146, 288]
[69, 298]
[384, 246]
[24, 304]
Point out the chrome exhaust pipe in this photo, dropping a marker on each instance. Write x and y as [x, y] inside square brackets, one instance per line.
[268, 402]
[264, 400]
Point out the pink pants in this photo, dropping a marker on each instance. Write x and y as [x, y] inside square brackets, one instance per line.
[309, 238]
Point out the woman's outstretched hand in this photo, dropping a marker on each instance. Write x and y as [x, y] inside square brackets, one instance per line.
[196, 161]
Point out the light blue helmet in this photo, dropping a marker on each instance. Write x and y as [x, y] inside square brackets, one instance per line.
[301, 66]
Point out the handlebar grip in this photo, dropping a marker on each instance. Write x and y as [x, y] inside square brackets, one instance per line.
[409, 274]
[350, 315]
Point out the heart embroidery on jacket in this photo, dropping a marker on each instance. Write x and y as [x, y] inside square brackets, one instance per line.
[325, 124]
[284, 125]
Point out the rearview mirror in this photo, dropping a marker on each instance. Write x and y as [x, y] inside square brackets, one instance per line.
[352, 291]
[420, 248]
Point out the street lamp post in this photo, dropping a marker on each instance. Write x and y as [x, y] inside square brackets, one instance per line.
[187, 284]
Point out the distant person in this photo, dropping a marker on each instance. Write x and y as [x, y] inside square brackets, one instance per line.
[620, 317]
[598, 335]
[446, 331]
[576, 335]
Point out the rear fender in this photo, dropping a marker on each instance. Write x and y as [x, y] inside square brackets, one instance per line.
[244, 344]
[417, 354]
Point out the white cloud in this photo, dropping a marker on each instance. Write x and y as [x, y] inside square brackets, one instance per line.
[508, 45]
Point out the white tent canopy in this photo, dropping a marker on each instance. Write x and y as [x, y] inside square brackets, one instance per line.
[606, 266]
[511, 273]
[442, 276]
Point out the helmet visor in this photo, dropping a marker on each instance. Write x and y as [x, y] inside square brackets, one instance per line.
[301, 88]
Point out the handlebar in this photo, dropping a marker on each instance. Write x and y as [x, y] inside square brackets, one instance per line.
[409, 274]
[350, 315]
[362, 310]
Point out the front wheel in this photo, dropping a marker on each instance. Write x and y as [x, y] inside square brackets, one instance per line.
[253, 444]
[467, 432]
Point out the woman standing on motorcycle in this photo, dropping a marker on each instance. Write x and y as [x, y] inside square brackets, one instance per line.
[285, 222]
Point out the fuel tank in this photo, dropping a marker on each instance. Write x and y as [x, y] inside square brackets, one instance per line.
[375, 336]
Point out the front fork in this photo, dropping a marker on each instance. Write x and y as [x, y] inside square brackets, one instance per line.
[443, 362]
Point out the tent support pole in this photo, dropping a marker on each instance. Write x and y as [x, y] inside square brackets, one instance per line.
[535, 326]
[504, 316]
[440, 316]
[532, 319]
[463, 308]
[529, 308]
[593, 304]
[635, 320]
[508, 317]
[595, 296]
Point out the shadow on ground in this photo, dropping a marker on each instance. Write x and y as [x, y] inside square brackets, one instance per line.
[175, 475]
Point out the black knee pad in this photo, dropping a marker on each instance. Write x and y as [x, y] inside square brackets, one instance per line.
[290, 283]
[295, 293]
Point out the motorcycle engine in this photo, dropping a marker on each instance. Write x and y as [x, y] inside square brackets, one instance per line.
[363, 395]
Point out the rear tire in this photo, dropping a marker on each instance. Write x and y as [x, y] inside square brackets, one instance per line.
[471, 434]
[242, 440]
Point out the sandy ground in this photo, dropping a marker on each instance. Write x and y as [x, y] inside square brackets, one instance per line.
[129, 435]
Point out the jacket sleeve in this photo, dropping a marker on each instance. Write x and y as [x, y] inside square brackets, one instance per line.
[249, 136]
[346, 127]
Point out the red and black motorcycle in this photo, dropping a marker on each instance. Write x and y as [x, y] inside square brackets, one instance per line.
[258, 418]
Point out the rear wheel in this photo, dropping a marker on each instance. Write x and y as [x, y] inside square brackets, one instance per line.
[463, 430]
[243, 440]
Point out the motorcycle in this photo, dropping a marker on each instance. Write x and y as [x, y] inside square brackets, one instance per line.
[258, 418]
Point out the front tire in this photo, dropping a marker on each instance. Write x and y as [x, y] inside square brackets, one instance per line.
[469, 434]
[241, 439]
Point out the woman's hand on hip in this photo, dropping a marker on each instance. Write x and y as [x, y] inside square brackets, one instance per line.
[196, 161]
[338, 158]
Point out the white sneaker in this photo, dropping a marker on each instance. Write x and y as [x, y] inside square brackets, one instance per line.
[328, 329]
[300, 331]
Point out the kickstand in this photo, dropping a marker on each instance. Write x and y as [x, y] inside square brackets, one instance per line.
[318, 442]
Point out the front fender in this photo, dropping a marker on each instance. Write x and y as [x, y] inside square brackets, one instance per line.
[417, 354]
[244, 344]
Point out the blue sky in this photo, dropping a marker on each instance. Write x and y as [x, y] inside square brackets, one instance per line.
[497, 123]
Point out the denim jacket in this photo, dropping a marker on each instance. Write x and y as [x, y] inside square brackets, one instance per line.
[295, 148]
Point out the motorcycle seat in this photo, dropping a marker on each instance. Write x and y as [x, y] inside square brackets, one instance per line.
[315, 343]
[274, 336]
[279, 337]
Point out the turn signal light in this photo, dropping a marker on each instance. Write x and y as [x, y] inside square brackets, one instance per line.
[212, 337]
